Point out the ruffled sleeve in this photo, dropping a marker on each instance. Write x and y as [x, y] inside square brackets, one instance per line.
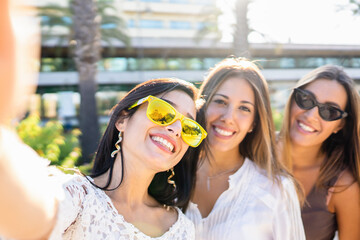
[287, 222]
[70, 203]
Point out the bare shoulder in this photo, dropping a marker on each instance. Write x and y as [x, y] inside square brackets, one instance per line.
[346, 188]
[346, 179]
[345, 201]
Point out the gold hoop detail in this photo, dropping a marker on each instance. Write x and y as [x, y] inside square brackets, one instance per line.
[117, 146]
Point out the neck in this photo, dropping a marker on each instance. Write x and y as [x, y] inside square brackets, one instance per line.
[220, 162]
[306, 157]
[133, 190]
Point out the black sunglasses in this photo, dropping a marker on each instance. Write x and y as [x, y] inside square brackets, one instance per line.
[306, 100]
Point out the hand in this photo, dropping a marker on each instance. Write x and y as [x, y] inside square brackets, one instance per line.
[19, 55]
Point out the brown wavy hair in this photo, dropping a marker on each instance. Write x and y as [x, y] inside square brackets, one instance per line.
[342, 150]
[259, 145]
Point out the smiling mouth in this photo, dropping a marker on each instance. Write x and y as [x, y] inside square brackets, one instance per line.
[223, 132]
[163, 142]
[306, 127]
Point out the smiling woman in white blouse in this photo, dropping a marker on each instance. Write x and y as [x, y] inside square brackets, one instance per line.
[140, 180]
[242, 191]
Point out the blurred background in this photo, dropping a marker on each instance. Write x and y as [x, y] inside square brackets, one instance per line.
[94, 51]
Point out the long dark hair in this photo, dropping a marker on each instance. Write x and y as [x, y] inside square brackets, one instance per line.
[159, 188]
[342, 149]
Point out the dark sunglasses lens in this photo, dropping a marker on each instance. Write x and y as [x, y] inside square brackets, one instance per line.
[329, 113]
[304, 100]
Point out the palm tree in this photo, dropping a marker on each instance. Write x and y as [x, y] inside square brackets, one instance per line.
[241, 31]
[241, 28]
[83, 22]
[356, 6]
[57, 24]
[87, 41]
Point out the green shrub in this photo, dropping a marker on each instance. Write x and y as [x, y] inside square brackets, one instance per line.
[50, 141]
[278, 118]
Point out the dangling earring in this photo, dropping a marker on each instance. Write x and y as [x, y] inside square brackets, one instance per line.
[171, 175]
[117, 146]
[250, 131]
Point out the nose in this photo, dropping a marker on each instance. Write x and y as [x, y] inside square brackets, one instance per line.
[228, 114]
[175, 128]
[312, 113]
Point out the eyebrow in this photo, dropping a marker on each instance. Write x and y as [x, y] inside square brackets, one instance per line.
[243, 101]
[174, 105]
[327, 102]
[332, 103]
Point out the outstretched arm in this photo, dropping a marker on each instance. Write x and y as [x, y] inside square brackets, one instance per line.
[27, 207]
[28, 203]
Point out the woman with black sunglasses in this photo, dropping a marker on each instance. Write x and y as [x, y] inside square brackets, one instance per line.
[319, 142]
[141, 177]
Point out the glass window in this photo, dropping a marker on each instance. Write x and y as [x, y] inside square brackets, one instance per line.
[57, 65]
[179, 1]
[200, 25]
[151, 24]
[204, 2]
[176, 64]
[112, 64]
[194, 64]
[355, 62]
[210, 62]
[108, 26]
[336, 61]
[131, 23]
[287, 63]
[132, 64]
[180, 25]
[151, 0]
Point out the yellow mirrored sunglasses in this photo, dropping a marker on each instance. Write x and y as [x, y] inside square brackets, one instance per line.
[162, 113]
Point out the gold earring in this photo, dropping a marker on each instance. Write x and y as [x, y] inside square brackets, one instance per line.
[117, 146]
[171, 175]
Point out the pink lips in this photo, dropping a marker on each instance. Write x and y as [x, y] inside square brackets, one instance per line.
[164, 142]
[222, 132]
[305, 128]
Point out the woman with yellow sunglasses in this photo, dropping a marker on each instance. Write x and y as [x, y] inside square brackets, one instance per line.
[141, 177]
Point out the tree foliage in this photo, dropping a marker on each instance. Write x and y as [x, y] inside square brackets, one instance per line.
[57, 23]
[355, 5]
[50, 141]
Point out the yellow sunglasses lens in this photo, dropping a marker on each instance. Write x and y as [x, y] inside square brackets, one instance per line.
[160, 112]
[164, 114]
[191, 132]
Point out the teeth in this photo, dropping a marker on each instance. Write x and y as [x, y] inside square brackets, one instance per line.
[223, 132]
[163, 142]
[306, 128]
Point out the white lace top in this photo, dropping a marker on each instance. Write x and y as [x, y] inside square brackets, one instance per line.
[251, 208]
[86, 212]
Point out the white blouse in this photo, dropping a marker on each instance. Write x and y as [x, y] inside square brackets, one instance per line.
[86, 212]
[253, 207]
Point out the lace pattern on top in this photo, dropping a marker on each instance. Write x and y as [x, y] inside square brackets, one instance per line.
[86, 212]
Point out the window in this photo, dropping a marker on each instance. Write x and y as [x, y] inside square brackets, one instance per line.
[179, 1]
[150, 0]
[151, 24]
[131, 23]
[180, 25]
[112, 64]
